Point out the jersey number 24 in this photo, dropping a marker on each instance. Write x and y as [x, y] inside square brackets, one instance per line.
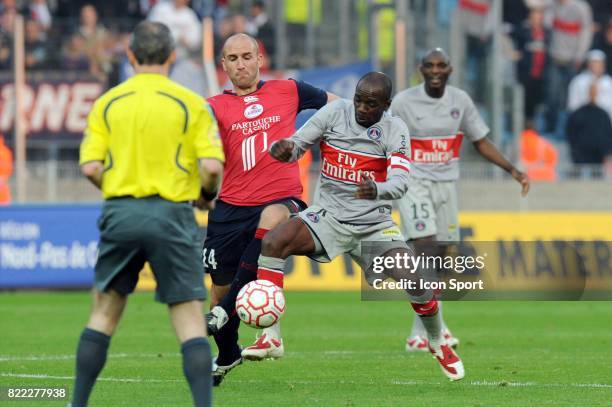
[209, 261]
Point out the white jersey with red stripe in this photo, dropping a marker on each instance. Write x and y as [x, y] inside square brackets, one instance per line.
[350, 151]
[437, 128]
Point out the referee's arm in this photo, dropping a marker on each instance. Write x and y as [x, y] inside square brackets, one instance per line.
[93, 170]
[211, 172]
[94, 148]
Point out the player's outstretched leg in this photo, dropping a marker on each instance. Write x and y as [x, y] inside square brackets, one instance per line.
[426, 307]
[449, 361]
[417, 341]
[292, 237]
[270, 343]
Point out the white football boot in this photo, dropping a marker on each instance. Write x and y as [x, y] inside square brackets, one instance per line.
[449, 361]
[268, 345]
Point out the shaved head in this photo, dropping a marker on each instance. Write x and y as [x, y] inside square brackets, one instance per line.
[237, 38]
[438, 52]
[241, 60]
[372, 98]
[376, 82]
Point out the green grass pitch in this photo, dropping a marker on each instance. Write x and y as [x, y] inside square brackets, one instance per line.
[340, 351]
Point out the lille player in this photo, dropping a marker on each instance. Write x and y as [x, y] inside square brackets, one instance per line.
[257, 192]
[438, 117]
[365, 165]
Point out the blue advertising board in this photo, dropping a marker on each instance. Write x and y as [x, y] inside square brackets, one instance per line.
[340, 80]
[48, 246]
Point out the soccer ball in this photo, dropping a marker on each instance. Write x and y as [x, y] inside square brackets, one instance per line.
[260, 304]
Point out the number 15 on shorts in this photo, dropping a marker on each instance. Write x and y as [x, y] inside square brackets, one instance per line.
[420, 213]
[209, 261]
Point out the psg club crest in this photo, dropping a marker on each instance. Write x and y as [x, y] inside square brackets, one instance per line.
[374, 133]
[314, 217]
[420, 225]
[252, 111]
[455, 113]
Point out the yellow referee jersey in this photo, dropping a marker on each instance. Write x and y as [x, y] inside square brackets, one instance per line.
[150, 132]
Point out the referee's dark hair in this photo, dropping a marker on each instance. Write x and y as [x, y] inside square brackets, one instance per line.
[151, 43]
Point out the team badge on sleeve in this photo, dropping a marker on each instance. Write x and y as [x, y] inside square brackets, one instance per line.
[314, 217]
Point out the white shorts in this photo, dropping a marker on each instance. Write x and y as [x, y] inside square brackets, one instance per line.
[430, 208]
[333, 238]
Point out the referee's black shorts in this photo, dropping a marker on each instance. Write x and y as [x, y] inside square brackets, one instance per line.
[152, 229]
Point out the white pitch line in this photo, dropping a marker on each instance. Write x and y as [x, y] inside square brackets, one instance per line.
[535, 384]
[5, 358]
[36, 358]
[8, 358]
[317, 382]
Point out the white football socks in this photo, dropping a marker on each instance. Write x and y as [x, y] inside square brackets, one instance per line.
[433, 326]
[273, 331]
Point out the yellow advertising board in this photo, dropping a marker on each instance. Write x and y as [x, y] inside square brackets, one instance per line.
[532, 226]
[503, 229]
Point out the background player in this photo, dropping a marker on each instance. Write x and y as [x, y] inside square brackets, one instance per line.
[439, 116]
[364, 166]
[257, 193]
[144, 142]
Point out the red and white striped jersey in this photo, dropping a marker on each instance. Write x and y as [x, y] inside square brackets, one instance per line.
[437, 128]
[350, 152]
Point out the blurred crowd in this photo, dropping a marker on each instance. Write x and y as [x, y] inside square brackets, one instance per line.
[561, 52]
[91, 35]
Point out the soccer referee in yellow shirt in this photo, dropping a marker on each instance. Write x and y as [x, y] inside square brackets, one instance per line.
[152, 147]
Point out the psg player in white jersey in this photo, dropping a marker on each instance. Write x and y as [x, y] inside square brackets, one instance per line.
[364, 166]
[439, 116]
